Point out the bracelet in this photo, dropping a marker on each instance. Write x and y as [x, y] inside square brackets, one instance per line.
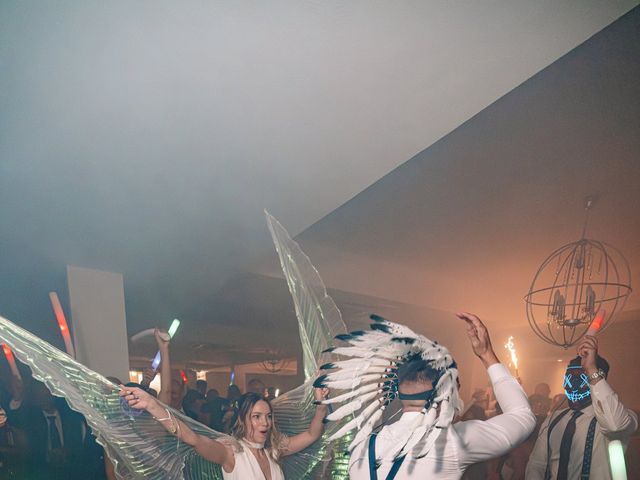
[165, 418]
[174, 426]
[596, 376]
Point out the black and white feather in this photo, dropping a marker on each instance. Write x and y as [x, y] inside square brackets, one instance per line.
[369, 381]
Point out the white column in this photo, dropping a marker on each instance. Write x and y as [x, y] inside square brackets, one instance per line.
[98, 320]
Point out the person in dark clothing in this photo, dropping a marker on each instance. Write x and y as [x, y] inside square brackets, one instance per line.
[59, 441]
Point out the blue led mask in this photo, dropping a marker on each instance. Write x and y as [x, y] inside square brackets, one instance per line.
[576, 387]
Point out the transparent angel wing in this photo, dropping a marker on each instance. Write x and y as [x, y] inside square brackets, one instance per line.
[319, 321]
[138, 445]
[141, 448]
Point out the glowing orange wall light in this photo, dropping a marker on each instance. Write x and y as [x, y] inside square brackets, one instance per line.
[62, 323]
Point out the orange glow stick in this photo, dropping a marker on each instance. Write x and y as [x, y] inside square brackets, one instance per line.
[62, 323]
[12, 361]
[184, 377]
[597, 322]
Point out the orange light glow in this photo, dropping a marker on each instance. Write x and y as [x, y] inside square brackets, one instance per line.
[184, 376]
[7, 351]
[596, 324]
[11, 360]
[512, 350]
[62, 323]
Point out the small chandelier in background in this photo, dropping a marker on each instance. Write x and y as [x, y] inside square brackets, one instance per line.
[275, 365]
[572, 284]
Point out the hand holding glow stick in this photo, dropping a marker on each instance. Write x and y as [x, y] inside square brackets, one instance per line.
[172, 330]
[62, 323]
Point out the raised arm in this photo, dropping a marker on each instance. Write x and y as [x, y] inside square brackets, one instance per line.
[162, 339]
[208, 448]
[483, 440]
[301, 441]
[613, 417]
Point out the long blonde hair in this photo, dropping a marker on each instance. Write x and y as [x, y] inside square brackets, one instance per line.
[274, 444]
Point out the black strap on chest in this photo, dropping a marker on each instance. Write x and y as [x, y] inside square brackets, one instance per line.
[588, 446]
[373, 468]
[588, 450]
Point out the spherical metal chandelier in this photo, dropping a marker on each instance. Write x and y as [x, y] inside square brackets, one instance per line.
[573, 284]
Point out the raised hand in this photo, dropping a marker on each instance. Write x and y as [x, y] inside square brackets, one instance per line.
[588, 352]
[148, 374]
[479, 337]
[162, 338]
[140, 400]
[320, 394]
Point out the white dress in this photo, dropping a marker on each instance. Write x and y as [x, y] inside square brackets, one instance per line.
[247, 467]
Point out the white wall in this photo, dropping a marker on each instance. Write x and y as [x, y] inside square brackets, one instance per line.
[98, 320]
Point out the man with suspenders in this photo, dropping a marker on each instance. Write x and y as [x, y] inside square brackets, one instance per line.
[457, 445]
[573, 442]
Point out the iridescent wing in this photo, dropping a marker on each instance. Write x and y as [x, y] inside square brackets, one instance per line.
[138, 445]
[319, 321]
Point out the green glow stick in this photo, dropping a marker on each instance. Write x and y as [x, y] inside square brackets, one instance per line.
[172, 330]
[616, 460]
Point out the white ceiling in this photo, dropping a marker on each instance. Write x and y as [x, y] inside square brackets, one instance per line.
[146, 138]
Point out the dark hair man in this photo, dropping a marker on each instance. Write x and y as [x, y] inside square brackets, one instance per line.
[573, 443]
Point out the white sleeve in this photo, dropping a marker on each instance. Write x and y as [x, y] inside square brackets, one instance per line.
[614, 419]
[483, 440]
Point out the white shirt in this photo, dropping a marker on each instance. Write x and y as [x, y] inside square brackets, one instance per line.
[614, 421]
[461, 444]
[247, 468]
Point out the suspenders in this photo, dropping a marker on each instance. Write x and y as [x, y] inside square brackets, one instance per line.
[373, 468]
[588, 446]
[588, 450]
[553, 423]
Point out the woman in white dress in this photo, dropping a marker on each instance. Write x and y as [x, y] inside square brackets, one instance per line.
[259, 445]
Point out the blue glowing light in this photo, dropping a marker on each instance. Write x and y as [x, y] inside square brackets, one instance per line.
[579, 393]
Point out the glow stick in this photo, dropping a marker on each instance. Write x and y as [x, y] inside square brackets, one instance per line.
[172, 330]
[616, 460]
[184, 377]
[62, 323]
[597, 322]
[12, 361]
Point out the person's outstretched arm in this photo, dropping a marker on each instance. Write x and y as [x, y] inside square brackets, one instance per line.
[163, 339]
[301, 441]
[208, 448]
[616, 421]
[483, 440]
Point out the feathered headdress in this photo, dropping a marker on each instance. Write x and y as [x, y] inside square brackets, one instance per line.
[370, 377]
